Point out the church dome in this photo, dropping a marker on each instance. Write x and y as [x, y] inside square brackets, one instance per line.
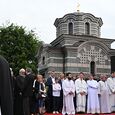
[78, 23]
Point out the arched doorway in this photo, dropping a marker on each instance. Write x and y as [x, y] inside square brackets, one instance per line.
[92, 67]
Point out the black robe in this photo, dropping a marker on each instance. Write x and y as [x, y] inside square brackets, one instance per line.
[28, 94]
[49, 100]
[18, 95]
[6, 91]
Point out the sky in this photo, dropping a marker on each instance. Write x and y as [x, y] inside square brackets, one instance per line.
[39, 15]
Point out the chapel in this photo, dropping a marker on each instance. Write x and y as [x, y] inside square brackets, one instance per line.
[78, 47]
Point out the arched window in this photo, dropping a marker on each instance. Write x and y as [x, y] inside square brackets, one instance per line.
[43, 60]
[70, 28]
[87, 28]
[92, 67]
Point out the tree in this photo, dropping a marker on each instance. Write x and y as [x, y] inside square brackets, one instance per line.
[19, 47]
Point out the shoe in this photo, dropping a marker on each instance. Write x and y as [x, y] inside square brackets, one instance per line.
[54, 112]
[57, 112]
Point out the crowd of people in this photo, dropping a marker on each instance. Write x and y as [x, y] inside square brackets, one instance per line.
[82, 96]
[29, 94]
[66, 94]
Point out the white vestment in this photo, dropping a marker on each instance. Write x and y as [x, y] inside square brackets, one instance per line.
[0, 110]
[68, 104]
[93, 99]
[104, 97]
[80, 86]
[111, 84]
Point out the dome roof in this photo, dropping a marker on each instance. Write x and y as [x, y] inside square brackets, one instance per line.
[78, 16]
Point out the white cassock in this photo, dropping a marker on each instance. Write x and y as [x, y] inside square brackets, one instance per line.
[104, 97]
[68, 104]
[111, 84]
[0, 111]
[93, 99]
[80, 86]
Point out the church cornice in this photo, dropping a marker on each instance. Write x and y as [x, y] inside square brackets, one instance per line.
[78, 16]
[79, 38]
[42, 47]
[112, 52]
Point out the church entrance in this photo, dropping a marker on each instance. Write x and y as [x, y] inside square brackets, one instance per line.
[92, 67]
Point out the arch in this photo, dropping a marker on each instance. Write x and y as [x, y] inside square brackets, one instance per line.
[93, 18]
[89, 16]
[70, 28]
[97, 43]
[87, 28]
[65, 18]
[72, 16]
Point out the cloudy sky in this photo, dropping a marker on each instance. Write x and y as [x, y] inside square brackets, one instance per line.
[39, 15]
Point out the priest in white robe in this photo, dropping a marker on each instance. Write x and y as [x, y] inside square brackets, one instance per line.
[0, 111]
[93, 99]
[68, 94]
[111, 84]
[104, 95]
[81, 92]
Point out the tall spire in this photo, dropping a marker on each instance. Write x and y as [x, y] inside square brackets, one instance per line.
[78, 7]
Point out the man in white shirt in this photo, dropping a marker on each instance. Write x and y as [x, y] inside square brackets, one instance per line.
[49, 83]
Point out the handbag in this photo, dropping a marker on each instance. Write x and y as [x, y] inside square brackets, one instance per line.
[44, 95]
[38, 95]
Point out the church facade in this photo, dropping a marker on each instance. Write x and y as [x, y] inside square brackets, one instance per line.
[78, 47]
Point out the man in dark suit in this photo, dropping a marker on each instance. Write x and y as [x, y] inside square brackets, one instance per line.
[62, 77]
[6, 90]
[49, 82]
[28, 91]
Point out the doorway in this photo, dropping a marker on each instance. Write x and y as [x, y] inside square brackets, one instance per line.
[92, 67]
